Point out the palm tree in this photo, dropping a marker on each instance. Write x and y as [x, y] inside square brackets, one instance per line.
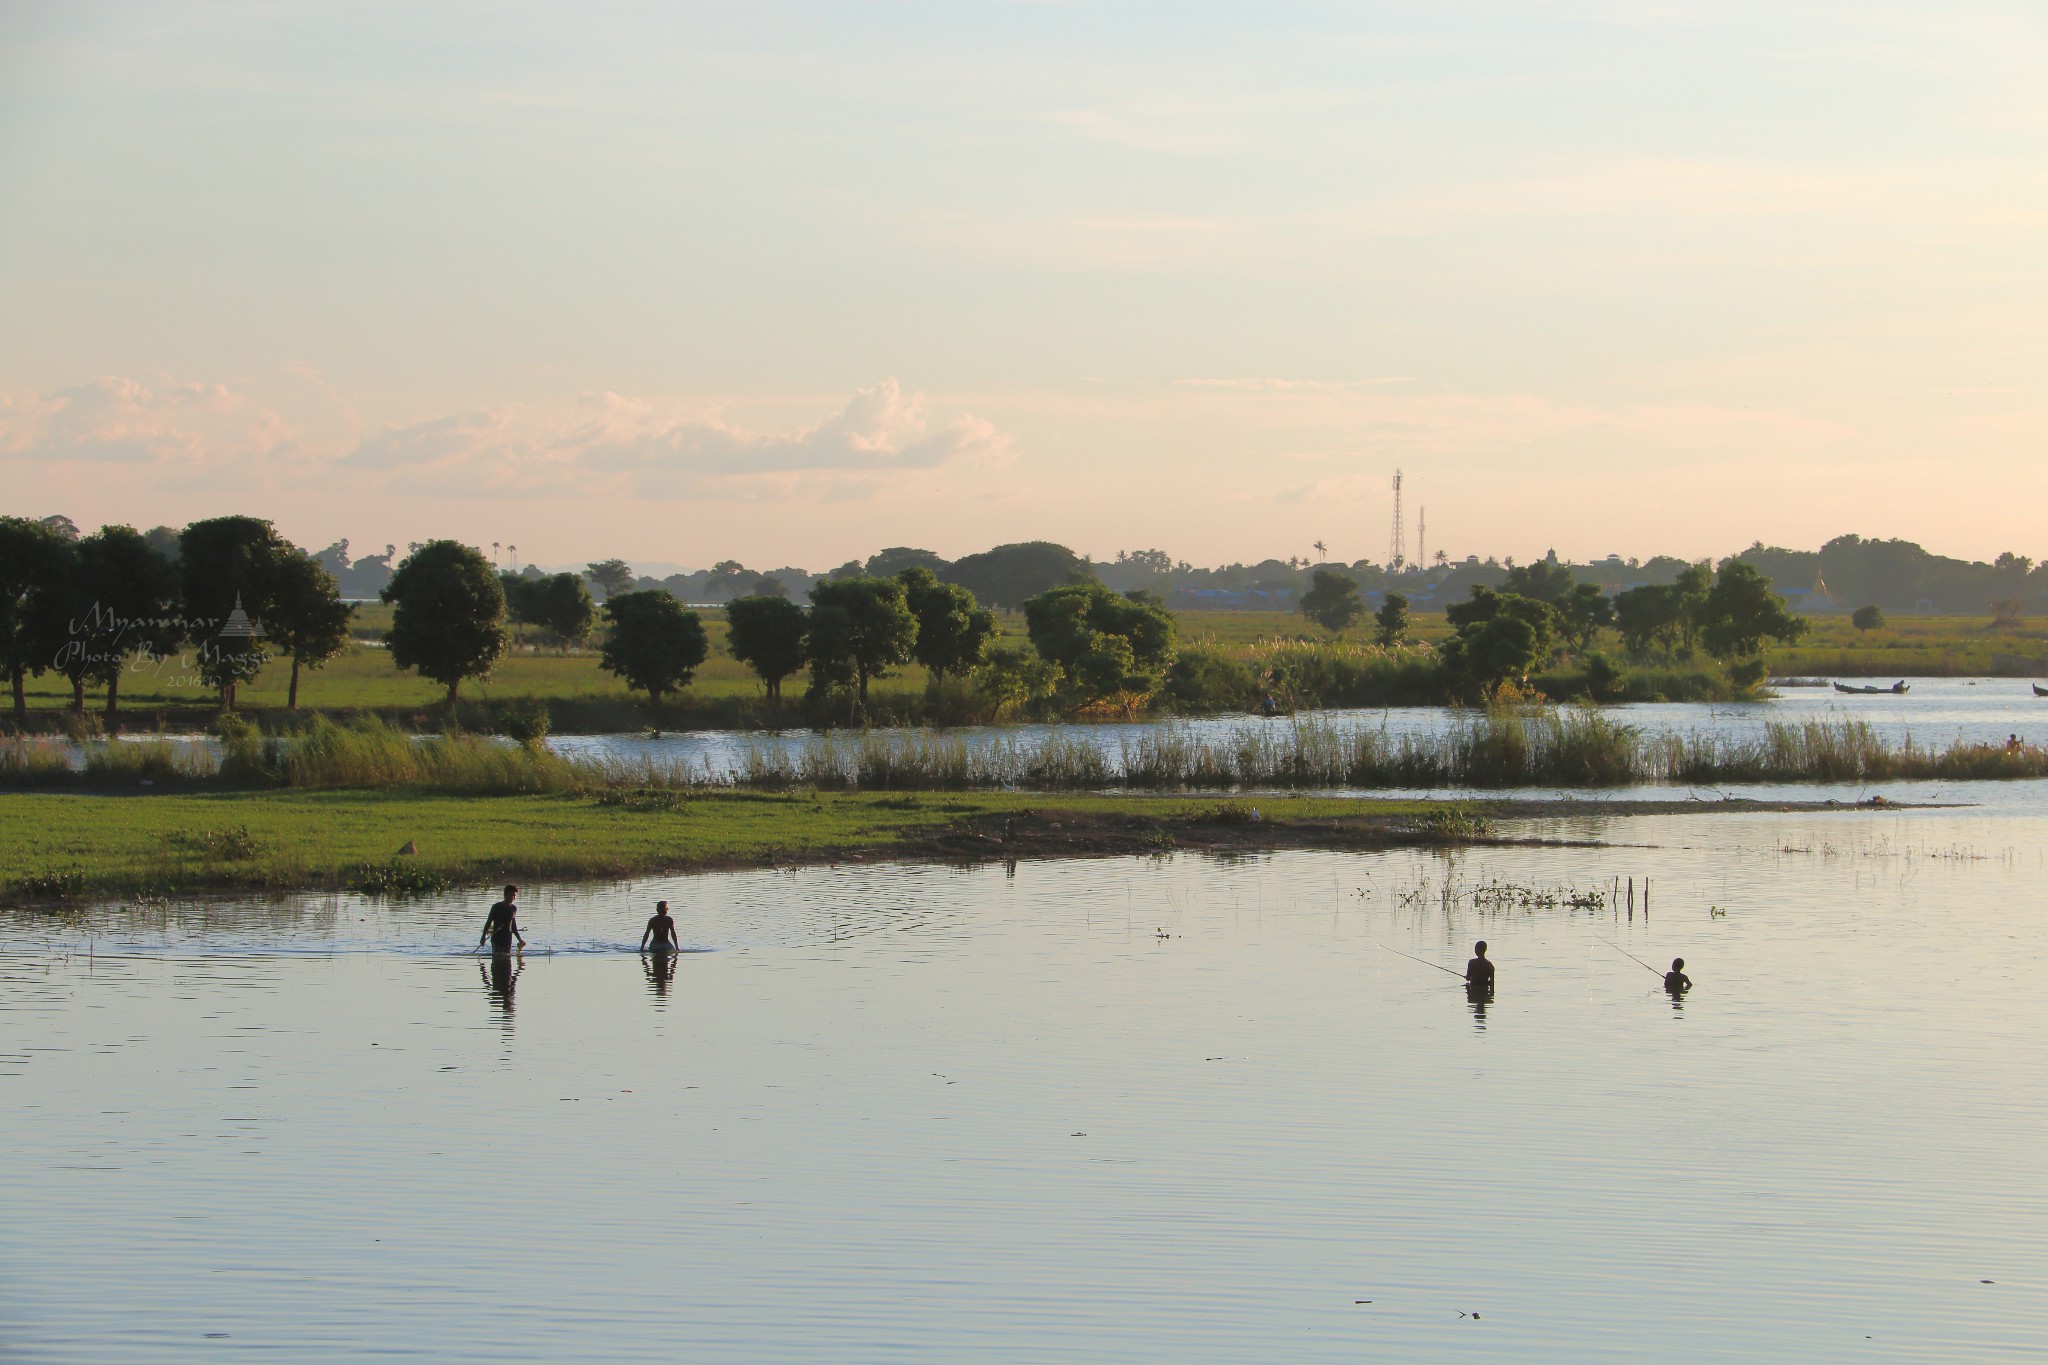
[495, 547]
[1322, 552]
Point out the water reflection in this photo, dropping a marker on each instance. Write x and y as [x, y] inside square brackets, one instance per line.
[1479, 997]
[501, 977]
[660, 966]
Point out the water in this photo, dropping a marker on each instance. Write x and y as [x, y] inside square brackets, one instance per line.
[1123, 1110]
[1937, 711]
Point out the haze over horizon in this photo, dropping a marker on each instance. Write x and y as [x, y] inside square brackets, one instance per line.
[724, 283]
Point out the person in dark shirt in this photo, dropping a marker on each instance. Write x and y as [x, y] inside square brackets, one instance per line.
[501, 925]
[660, 933]
[1676, 980]
[1479, 972]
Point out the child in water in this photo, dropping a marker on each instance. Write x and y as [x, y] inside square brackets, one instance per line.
[1676, 980]
[660, 933]
[1479, 971]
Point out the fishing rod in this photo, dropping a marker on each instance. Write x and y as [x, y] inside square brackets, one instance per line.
[1423, 960]
[1633, 958]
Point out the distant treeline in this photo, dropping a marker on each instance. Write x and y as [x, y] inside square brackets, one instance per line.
[1846, 573]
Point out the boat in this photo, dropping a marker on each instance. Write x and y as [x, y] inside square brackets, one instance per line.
[2040, 691]
[1897, 689]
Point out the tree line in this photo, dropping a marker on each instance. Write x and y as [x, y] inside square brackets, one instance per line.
[1540, 613]
[230, 594]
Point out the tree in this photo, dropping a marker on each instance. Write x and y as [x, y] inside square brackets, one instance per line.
[2006, 613]
[1546, 580]
[121, 599]
[1582, 614]
[1065, 623]
[655, 643]
[1867, 618]
[1491, 650]
[1010, 575]
[449, 618]
[562, 604]
[860, 629]
[612, 576]
[1647, 617]
[1332, 601]
[520, 607]
[308, 619]
[230, 571]
[767, 634]
[34, 564]
[952, 629]
[1484, 604]
[1691, 588]
[1391, 620]
[891, 563]
[1012, 674]
[1741, 613]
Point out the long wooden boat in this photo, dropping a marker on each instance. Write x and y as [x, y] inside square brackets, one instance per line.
[1897, 689]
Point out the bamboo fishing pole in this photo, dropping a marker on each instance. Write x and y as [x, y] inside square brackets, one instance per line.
[1423, 960]
[1633, 958]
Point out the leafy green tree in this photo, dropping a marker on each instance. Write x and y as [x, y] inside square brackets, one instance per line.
[1390, 622]
[1010, 575]
[1492, 650]
[860, 629]
[449, 615]
[1647, 618]
[1484, 604]
[655, 644]
[520, 607]
[1867, 618]
[767, 634]
[952, 629]
[226, 566]
[308, 619]
[612, 576]
[34, 566]
[562, 604]
[1332, 601]
[1544, 581]
[1691, 587]
[1741, 614]
[891, 563]
[1582, 614]
[1065, 623]
[1011, 675]
[121, 600]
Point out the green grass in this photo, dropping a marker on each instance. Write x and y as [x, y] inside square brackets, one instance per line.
[80, 845]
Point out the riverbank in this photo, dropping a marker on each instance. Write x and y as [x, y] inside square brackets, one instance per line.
[76, 846]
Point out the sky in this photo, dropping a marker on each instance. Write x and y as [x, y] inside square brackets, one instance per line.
[788, 283]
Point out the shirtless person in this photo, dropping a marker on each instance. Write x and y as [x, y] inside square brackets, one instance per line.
[1479, 972]
[501, 925]
[1676, 980]
[660, 933]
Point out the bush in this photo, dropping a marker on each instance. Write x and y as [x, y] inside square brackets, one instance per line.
[1206, 680]
[525, 719]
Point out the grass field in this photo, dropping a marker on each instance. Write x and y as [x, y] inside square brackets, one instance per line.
[84, 845]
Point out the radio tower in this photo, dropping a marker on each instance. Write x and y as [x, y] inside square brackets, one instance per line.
[1422, 536]
[1397, 553]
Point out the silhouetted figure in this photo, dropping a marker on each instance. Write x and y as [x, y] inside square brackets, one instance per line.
[501, 925]
[1675, 980]
[1479, 972]
[660, 933]
[2012, 744]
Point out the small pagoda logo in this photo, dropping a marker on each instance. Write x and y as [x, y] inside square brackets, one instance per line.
[239, 626]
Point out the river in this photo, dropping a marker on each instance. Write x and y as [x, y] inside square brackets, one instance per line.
[1144, 1109]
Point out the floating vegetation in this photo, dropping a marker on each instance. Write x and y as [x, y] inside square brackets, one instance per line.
[397, 880]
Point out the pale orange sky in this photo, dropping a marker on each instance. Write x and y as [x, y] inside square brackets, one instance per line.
[788, 286]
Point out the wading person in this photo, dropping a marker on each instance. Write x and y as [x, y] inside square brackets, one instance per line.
[501, 925]
[660, 933]
[1479, 972]
[1676, 980]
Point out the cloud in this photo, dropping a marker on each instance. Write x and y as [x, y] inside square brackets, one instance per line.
[629, 446]
[124, 421]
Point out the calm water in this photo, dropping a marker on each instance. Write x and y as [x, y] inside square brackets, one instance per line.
[1937, 711]
[1144, 1110]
